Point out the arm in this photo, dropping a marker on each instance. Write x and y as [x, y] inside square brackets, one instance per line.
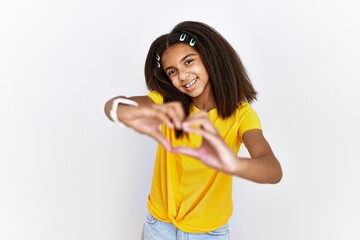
[262, 167]
[141, 100]
[147, 117]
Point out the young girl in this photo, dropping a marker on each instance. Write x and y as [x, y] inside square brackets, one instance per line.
[200, 94]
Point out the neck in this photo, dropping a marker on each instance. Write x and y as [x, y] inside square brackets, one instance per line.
[204, 103]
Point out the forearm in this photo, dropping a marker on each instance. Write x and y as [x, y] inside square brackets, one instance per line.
[145, 117]
[264, 169]
[141, 100]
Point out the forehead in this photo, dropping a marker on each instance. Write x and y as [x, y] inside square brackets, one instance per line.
[178, 51]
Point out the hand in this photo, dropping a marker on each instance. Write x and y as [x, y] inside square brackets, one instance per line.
[213, 150]
[147, 120]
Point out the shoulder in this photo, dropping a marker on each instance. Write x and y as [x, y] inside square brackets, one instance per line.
[156, 97]
[247, 118]
[243, 109]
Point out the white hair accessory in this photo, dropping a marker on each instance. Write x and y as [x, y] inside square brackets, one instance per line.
[115, 104]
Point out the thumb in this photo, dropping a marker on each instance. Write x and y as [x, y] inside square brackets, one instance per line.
[192, 152]
[161, 139]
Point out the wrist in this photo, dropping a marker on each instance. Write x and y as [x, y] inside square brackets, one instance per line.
[114, 109]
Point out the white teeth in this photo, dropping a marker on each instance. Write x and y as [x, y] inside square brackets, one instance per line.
[190, 83]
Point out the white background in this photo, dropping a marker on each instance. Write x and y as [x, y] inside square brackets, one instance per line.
[66, 172]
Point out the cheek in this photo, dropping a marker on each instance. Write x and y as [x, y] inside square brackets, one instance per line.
[204, 75]
[201, 70]
[174, 83]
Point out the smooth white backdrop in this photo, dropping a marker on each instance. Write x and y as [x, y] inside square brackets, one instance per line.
[66, 172]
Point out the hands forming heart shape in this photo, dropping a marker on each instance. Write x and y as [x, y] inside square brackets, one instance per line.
[213, 150]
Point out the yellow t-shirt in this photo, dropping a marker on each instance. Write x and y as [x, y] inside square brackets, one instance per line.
[184, 191]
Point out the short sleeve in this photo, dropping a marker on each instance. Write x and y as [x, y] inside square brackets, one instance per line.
[248, 119]
[156, 97]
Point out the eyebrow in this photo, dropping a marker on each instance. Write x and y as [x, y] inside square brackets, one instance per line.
[183, 59]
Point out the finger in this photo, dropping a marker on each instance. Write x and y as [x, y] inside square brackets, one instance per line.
[192, 152]
[170, 112]
[212, 139]
[199, 155]
[162, 117]
[177, 113]
[178, 107]
[173, 110]
[160, 138]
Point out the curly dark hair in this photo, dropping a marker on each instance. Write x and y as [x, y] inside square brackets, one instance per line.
[229, 81]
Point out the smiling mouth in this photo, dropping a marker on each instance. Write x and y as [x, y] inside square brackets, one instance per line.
[191, 83]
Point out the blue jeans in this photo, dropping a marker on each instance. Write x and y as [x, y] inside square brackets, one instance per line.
[157, 230]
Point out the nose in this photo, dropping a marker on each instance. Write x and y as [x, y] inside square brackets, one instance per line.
[183, 75]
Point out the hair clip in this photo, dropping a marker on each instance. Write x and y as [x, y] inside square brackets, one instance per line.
[182, 37]
[192, 42]
[158, 60]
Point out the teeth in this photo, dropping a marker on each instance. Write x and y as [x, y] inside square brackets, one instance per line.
[190, 83]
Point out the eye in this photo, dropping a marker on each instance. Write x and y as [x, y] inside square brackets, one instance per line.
[171, 72]
[187, 62]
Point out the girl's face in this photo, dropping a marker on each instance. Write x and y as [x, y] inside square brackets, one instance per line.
[185, 68]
